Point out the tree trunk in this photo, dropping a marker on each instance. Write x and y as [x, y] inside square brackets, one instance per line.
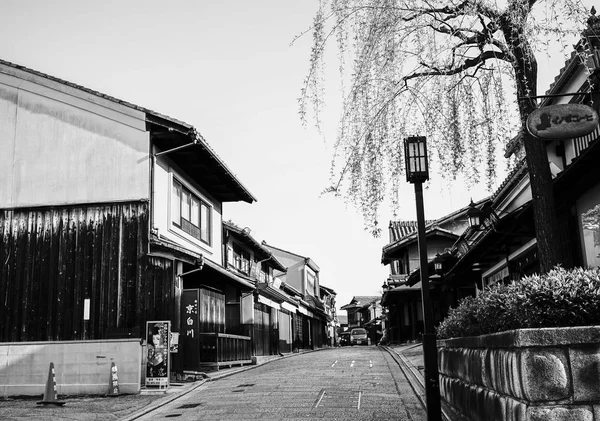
[544, 207]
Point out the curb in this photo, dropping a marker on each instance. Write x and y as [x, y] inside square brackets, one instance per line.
[417, 383]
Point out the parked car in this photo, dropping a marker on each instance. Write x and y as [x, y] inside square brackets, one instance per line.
[344, 339]
[358, 336]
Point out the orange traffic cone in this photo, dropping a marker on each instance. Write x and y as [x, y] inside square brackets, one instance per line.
[113, 381]
[50, 395]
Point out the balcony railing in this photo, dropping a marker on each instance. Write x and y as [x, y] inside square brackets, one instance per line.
[220, 349]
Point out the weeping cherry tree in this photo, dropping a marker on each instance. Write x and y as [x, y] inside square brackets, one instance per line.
[462, 73]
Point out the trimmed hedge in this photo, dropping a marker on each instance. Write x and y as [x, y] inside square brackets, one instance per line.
[556, 299]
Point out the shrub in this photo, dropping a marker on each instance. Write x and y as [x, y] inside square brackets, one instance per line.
[558, 298]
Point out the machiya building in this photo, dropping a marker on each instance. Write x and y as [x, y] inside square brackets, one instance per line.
[109, 213]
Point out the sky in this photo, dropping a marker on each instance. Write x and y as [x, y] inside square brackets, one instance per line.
[228, 68]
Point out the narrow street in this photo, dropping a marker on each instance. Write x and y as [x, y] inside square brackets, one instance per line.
[350, 383]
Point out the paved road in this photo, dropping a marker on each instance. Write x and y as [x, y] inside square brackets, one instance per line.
[351, 383]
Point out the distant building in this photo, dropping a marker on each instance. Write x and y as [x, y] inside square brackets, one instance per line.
[301, 279]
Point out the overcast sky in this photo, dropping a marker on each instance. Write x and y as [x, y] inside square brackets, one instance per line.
[227, 68]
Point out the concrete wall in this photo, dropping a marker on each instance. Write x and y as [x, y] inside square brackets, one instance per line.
[81, 367]
[523, 375]
[61, 145]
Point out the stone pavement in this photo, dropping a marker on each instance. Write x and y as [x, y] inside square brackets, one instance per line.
[87, 408]
[132, 407]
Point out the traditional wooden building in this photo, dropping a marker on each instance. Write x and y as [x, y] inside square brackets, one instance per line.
[110, 216]
[402, 290]
[365, 312]
[328, 297]
[260, 310]
[301, 281]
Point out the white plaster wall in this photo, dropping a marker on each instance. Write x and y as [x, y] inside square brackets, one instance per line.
[81, 367]
[61, 146]
[295, 269]
[164, 171]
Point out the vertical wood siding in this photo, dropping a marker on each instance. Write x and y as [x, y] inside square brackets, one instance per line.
[52, 259]
[211, 311]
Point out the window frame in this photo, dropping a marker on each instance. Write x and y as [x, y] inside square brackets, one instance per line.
[188, 227]
[241, 258]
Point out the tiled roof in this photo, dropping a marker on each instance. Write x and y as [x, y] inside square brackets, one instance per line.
[513, 176]
[264, 252]
[401, 229]
[361, 301]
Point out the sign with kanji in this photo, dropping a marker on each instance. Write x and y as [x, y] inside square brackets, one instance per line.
[157, 368]
[190, 328]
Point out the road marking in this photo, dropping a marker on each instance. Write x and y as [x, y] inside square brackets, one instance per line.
[359, 396]
[334, 363]
[352, 363]
[370, 363]
[320, 398]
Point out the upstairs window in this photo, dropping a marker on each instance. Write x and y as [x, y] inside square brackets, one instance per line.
[263, 275]
[241, 259]
[190, 213]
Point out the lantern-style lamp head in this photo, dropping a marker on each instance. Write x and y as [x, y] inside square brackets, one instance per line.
[474, 216]
[415, 155]
[437, 263]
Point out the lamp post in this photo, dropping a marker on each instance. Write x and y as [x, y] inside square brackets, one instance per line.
[417, 171]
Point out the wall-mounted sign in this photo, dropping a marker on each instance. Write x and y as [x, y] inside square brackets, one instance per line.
[563, 121]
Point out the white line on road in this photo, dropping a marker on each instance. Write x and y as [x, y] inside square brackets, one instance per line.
[334, 363]
[370, 363]
[320, 398]
[352, 363]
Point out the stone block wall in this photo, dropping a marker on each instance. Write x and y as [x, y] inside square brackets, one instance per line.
[550, 374]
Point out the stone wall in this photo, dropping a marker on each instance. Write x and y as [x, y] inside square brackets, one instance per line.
[81, 367]
[550, 374]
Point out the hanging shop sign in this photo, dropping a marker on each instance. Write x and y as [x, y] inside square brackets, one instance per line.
[562, 121]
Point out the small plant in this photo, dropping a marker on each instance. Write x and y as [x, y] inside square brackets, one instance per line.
[556, 299]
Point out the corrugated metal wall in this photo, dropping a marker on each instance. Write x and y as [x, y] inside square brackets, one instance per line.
[52, 259]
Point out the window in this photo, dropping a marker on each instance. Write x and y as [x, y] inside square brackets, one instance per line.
[310, 282]
[190, 213]
[263, 275]
[241, 259]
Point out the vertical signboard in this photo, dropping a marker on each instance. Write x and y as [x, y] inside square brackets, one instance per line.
[157, 338]
[189, 331]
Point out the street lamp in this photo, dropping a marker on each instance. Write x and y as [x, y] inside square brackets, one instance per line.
[437, 263]
[417, 171]
[474, 216]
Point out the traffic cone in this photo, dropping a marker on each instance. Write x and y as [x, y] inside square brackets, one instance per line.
[113, 381]
[50, 395]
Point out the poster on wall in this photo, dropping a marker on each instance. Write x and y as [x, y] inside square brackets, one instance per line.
[157, 368]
